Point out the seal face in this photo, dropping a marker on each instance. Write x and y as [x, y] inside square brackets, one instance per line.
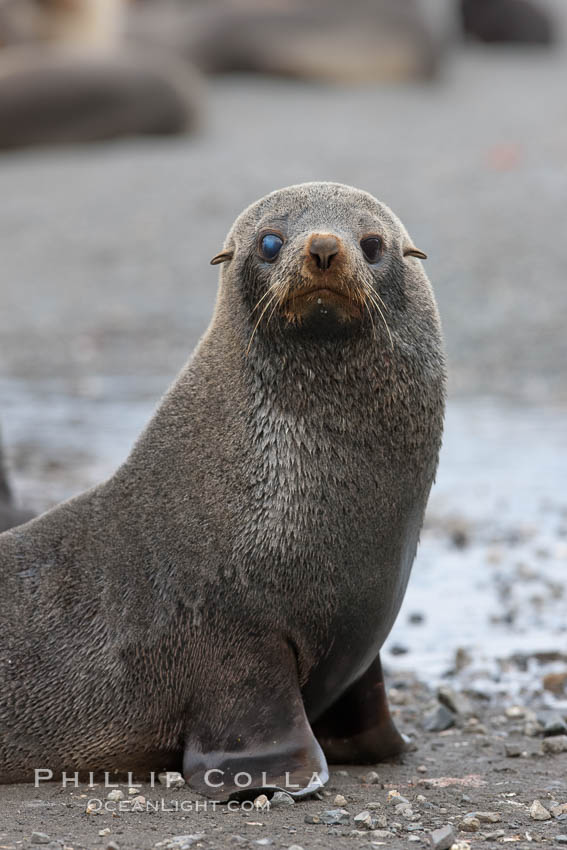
[264, 525]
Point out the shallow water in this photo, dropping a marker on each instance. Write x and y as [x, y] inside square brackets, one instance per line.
[491, 568]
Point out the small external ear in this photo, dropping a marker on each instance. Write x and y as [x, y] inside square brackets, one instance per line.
[223, 257]
[413, 252]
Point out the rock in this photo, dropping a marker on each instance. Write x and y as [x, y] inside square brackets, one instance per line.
[555, 745]
[171, 779]
[104, 832]
[494, 836]
[438, 720]
[486, 817]
[280, 798]
[112, 845]
[261, 801]
[381, 834]
[539, 812]
[371, 778]
[264, 842]
[138, 802]
[312, 819]
[340, 801]
[560, 839]
[115, 795]
[416, 618]
[334, 816]
[556, 683]
[40, 838]
[404, 810]
[183, 842]
[238, 839]
[364, 820]
[398, 649]
[559, 810]
[461, 845]
[454, 701]
[469, 824]
[554, 725]
[294, 847]
[443, 838]
[513, 751]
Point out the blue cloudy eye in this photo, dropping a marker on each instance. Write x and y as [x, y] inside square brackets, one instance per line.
[270, 246]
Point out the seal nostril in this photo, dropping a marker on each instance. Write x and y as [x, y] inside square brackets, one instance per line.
[323, 249]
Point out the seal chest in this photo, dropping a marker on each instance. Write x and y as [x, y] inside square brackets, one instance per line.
[264, 524]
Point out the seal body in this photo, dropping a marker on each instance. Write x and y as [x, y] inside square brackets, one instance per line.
[226, 593]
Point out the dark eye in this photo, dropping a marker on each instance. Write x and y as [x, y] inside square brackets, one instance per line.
[270, 246]
[371, 248]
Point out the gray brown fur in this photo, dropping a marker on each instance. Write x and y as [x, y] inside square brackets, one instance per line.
[250, 556]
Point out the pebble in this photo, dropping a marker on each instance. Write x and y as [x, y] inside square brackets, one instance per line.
[381, 834]
[264, 842]
[364, 820]
[442, 839]
[115, 795]
[454, 701]
[104, 831]
[133, 791]
[486, 817]
[555, 745]
[138, 801]
[280, 798]
[371, 778]
[294, 847]
[40, 838]
[559, 810]
[260, 801]
[469, 824]
[238, 839]
[494, 836]
[513, 751]
[461, 845]
[183, 842]
[340, 800]
[439, 719]
[112, 845]
[556, 683]
[561, 839]
[334, 816]
[539, 812]
[554, 726]
[171, 779]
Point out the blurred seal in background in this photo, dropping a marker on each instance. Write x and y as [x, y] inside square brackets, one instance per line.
[67, 76]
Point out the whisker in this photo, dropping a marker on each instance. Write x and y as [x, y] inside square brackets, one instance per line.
[373, 298]
[273, 298]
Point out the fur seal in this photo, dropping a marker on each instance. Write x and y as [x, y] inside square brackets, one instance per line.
[73, 80]
[10, 515]
[223, 598]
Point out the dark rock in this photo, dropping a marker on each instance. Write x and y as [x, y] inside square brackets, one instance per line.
[398, 649]
[454, 701]
[40, 838]
[439, 719]
[554, 725]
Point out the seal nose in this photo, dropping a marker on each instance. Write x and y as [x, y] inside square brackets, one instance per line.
[323, 247]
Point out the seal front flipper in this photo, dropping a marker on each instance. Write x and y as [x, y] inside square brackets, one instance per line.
[260, 740]
[358, 727]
